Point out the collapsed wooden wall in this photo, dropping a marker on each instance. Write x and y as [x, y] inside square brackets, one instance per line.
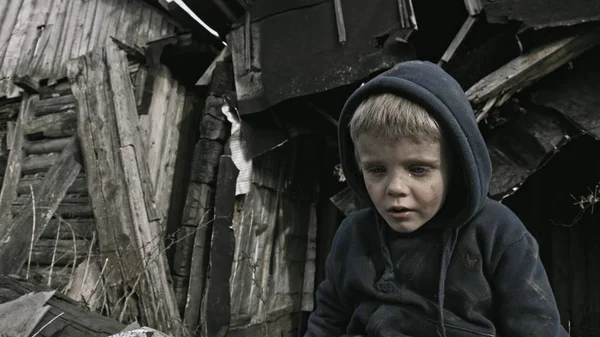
[38, 37]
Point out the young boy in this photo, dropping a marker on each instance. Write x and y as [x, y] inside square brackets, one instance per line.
[433, 256]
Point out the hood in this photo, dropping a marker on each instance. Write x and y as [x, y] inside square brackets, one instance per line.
[435, 90]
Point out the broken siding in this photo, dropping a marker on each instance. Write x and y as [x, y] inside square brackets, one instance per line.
[273, 224]
[38, 37]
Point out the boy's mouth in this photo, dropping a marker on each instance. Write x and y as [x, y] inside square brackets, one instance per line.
[399, 212]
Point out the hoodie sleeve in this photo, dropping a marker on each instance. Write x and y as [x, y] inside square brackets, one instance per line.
[332, 313]
[526, 301]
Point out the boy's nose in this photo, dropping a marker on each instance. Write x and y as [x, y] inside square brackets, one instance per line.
[397, 187]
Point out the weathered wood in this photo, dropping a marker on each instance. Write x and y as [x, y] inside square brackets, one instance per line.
[35, 164]
[310, 267]
[216, 308]
[205, 160]
[46, 146]
[97, 130]
[54, 105]
[458, 39]
[69, 229]
[70, 319]
[474, 7]
[34, 217]
[528, 68]
[10, 134]
[108, 124]
[13, 168]
[59, 252]
[185, 242]
[20, 316]
[127, 120]
[27, 83]
[62, 124]
[79, 185]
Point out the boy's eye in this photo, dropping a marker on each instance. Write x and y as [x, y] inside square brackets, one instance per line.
[376, 170]
[419, 170]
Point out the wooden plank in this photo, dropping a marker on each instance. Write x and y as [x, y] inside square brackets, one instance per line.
[13, 166]
[172, 150]
[69, 229]
[78, 186]
[59, 252]
[53, 29]
[7, 26]
[97, 130]
[474, 7]
[153, 125]
[216, 310]
[54, 105]
[127, 121]
[199, 258]
[49, 195]
[458, 39]
[23, 314]
[150, 242]
[107, 111]
[98, 24]
[86, 29]
[308, 287]
[530, 67]
[77, 25]
[69, 318]
[35, 164]
[63, 124]
[69, 32]
[62, 29]
[45, 146]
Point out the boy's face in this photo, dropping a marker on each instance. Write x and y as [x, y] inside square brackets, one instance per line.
[407, 179]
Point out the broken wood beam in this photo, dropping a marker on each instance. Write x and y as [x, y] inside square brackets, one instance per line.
[54, 105]
[339, 19]
[129, 232]
[61, 124]
[30, 223]
[26, 83]
[12, 175]
[528, 68]
[458, 40]
[38, 163]
[68, 317]
[59, 252]
[216, 310]
[474, 7]
[69, 229]
[45, 146]
[79, 185]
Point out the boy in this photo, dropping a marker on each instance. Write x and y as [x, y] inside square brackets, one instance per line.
[433, 256]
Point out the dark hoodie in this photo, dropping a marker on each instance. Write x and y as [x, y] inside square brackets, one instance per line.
[472, 270]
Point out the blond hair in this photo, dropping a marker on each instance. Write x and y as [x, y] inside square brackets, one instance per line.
[390, 116]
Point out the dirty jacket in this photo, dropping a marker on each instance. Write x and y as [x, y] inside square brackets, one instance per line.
[473, 270]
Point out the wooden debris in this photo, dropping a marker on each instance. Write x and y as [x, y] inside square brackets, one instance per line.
[62, 124]
[528, 68]
[339, 19]
[54, 105]
[120, 187]
[46, 146]
[68, 318]
[474, 7]
[34, 216]
[198, 210]
[20, 317]
[458, 39]
[216, 312]
[13, 167]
